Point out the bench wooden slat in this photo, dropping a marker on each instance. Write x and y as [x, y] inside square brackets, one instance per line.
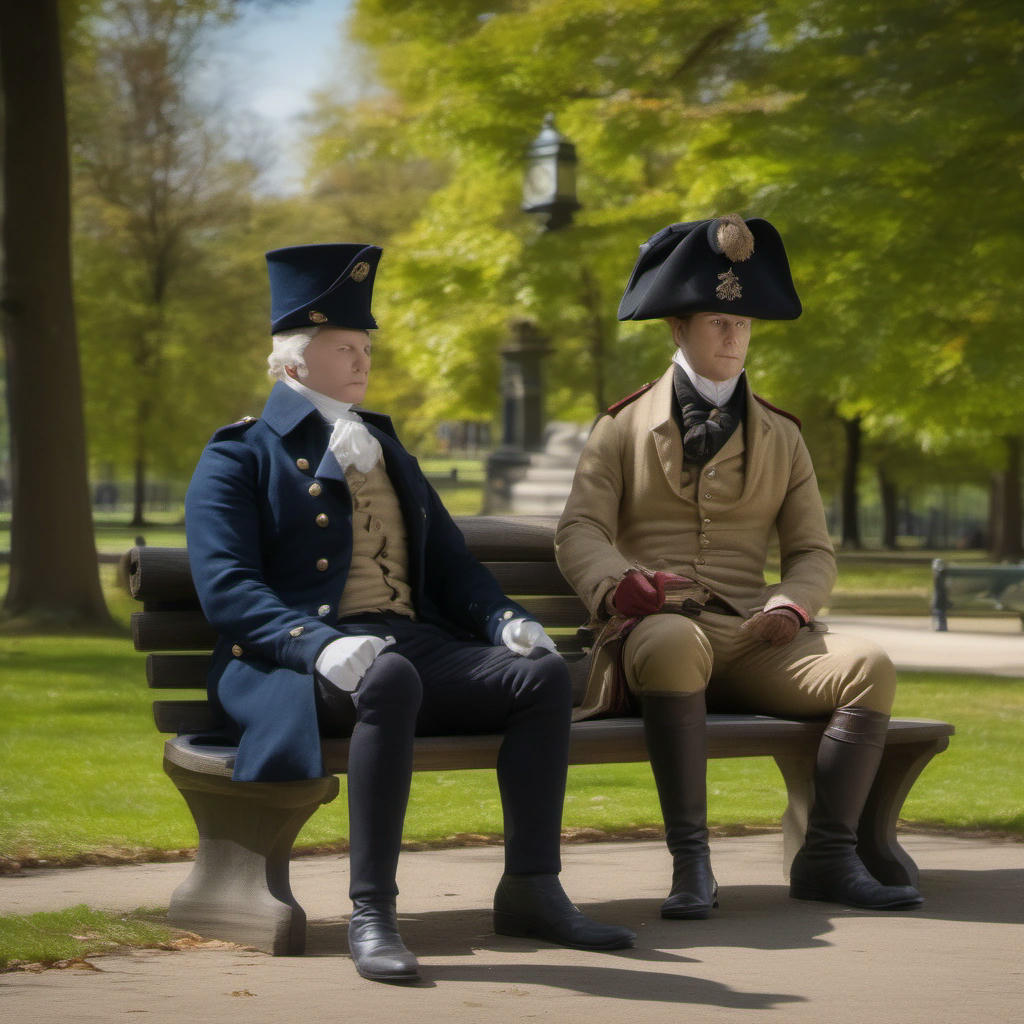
[177, 671]
[189, 671]
[164, 573]
[530, 578]
[185, 716]
[172, 631]
[161, 572]
[555, 612]
[601, 741]
[177, 630]
[505, 539]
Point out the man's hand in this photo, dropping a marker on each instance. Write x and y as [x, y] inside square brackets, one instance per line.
[343, 662]
[777, 627]
[641, 593]
[524, 636]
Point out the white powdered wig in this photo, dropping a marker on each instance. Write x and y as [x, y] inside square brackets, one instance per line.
[289, 347]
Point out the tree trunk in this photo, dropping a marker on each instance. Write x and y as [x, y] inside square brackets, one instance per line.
[54, 573]
[889, 495]
[850, 501]
[1006, 519]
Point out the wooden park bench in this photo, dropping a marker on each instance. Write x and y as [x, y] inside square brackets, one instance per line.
[239, 886]
[988, 583]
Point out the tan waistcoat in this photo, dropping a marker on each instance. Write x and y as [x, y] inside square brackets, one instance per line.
[379, 573]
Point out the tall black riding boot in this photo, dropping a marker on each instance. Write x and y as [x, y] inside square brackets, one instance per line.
[827, 866]
[379, 776]
[676, 733]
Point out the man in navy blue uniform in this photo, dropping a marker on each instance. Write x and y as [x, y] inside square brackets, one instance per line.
[347, 604]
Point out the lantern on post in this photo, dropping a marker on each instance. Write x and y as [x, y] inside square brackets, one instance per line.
[549, 183]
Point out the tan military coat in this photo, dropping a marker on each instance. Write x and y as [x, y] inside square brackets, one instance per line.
[635, 501]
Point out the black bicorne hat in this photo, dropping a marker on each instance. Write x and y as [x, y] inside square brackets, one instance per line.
[322, 285]
[725, 265]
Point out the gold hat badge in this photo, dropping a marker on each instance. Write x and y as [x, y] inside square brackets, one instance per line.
[360, 271]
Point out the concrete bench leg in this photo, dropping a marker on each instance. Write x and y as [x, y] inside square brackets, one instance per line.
[798, 774]
[877, 845]
[239, 887]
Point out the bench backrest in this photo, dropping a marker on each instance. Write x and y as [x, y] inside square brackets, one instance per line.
[173, 631]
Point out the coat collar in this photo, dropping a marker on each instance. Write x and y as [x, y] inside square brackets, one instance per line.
[286, 409]
[663, 430]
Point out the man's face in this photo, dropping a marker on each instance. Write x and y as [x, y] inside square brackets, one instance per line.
[715, 344]
[338, 360]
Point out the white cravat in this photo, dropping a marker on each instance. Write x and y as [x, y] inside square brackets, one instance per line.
[717, 392]
[351, 443]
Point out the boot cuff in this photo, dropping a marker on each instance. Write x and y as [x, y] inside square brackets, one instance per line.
[858, 725]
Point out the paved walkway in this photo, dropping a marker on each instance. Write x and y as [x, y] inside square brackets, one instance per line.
[993, 646]
[762, 957]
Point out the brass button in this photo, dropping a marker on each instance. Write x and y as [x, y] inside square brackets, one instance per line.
[706, 520]
[236, 650]
[321, 564]
[707, 495]
[507, 614]
[302, 463]
[322, 520]
[315, 489]
[248, 419]
[297, 631]
[704, 539]
[711, 473]
[324, 609]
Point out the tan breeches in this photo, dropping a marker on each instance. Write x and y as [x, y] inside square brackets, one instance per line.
[809, 677]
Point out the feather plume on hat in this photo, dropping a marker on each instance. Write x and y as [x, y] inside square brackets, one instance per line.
[731, 237]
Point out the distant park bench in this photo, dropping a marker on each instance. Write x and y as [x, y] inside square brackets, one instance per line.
[989, 583]
[239, 887]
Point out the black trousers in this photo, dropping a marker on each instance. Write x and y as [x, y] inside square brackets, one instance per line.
[430, 683]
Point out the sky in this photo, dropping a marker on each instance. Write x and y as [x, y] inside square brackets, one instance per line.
[268, 62]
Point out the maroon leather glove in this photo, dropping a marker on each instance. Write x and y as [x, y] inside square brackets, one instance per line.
[641, 593]
[777, 627]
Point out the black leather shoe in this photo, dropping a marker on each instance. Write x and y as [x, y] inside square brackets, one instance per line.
[376, 947]
[536, 906]
[844, 879]
[694, 891]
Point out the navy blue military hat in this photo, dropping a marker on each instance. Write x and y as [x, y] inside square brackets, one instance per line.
[725, 265]
[322, 285]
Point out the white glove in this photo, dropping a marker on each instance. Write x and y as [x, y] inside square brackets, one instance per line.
[343, 662]
[523, 636]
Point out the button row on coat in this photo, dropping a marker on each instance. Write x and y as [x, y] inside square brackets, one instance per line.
[709, 474]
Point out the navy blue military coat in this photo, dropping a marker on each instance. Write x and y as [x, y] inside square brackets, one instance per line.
[270, 569]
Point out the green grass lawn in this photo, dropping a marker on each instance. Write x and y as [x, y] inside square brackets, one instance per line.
[77, 932]
[80, 768]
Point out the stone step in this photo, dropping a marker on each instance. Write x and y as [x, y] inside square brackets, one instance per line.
[552, 474]
[531, 507]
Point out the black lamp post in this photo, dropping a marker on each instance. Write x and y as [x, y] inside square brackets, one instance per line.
[549, 184]
[549, 188]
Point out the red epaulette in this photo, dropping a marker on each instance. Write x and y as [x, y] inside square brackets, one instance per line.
[781, 412]
[623, 402]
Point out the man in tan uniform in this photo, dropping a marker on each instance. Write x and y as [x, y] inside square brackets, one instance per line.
[665, 537]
